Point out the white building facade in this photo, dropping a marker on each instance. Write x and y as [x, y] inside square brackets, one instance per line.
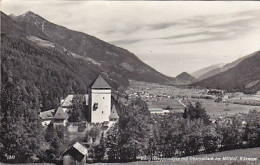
[99, 101]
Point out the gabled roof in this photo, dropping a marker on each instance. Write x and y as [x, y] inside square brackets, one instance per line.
[113, 114]
[47, 114]
[83, 150]
[68, 101]
[100, 83]
[60, 114]
[75, 149]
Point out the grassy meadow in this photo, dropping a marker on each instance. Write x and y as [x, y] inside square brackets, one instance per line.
[253, 153]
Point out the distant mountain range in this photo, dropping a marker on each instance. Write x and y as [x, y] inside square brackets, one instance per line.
[186, 78]
[216, 69]
[199, 73]
[241, 75]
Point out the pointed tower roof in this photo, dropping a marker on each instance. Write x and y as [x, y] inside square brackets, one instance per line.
[114, 114]
[60, 114]
[100, 83]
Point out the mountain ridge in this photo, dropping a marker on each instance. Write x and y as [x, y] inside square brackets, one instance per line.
[243, 77]
[218, 68]
[48, 70]
[89, 46]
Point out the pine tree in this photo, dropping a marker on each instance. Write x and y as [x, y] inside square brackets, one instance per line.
[21, 130]
[100, 149]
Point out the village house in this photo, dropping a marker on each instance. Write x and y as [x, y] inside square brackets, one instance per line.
[67, 103]
[113, 116]
[75, 155]
[60, 117]
[46, 117]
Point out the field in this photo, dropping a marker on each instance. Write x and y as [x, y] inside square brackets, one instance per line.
[233, 157]
[172, 104]
[214, 109]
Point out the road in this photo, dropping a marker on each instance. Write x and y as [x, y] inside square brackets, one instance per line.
[182, 103]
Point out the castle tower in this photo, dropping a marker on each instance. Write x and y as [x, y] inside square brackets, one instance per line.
[100, 100]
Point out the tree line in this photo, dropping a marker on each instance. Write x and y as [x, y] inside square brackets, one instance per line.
[139, 134]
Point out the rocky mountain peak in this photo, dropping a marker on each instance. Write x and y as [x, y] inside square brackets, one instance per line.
[30, 17]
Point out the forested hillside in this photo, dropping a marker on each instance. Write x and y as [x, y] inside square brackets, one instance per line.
[56, 61]
[111, 59]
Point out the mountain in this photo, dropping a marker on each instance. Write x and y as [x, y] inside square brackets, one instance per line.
[215, 69]
[186, 77]
[109, 58]
[46, 62]
[244, 77]
[203, 71]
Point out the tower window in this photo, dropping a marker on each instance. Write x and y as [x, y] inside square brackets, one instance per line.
[103, 97]
[102, 111]
[95, 106]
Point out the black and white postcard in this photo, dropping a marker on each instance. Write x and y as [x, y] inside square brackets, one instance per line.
[130, 82]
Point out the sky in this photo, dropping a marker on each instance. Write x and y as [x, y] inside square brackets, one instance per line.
[170, 36]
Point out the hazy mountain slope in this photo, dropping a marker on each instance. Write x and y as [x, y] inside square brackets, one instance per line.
[211, 71]
[109, 58]
[202, 71]
[186, 77]
[244, 77]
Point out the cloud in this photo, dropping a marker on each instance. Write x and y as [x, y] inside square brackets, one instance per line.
[191, 30]
[160, 26]
[125, 42]
[208, 29]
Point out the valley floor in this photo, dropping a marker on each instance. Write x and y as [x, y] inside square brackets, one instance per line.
[162, 96]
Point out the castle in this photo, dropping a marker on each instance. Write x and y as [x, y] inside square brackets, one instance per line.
[98, 106]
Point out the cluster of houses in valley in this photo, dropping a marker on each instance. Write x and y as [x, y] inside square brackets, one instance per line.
[99, 110]
[146, 95]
